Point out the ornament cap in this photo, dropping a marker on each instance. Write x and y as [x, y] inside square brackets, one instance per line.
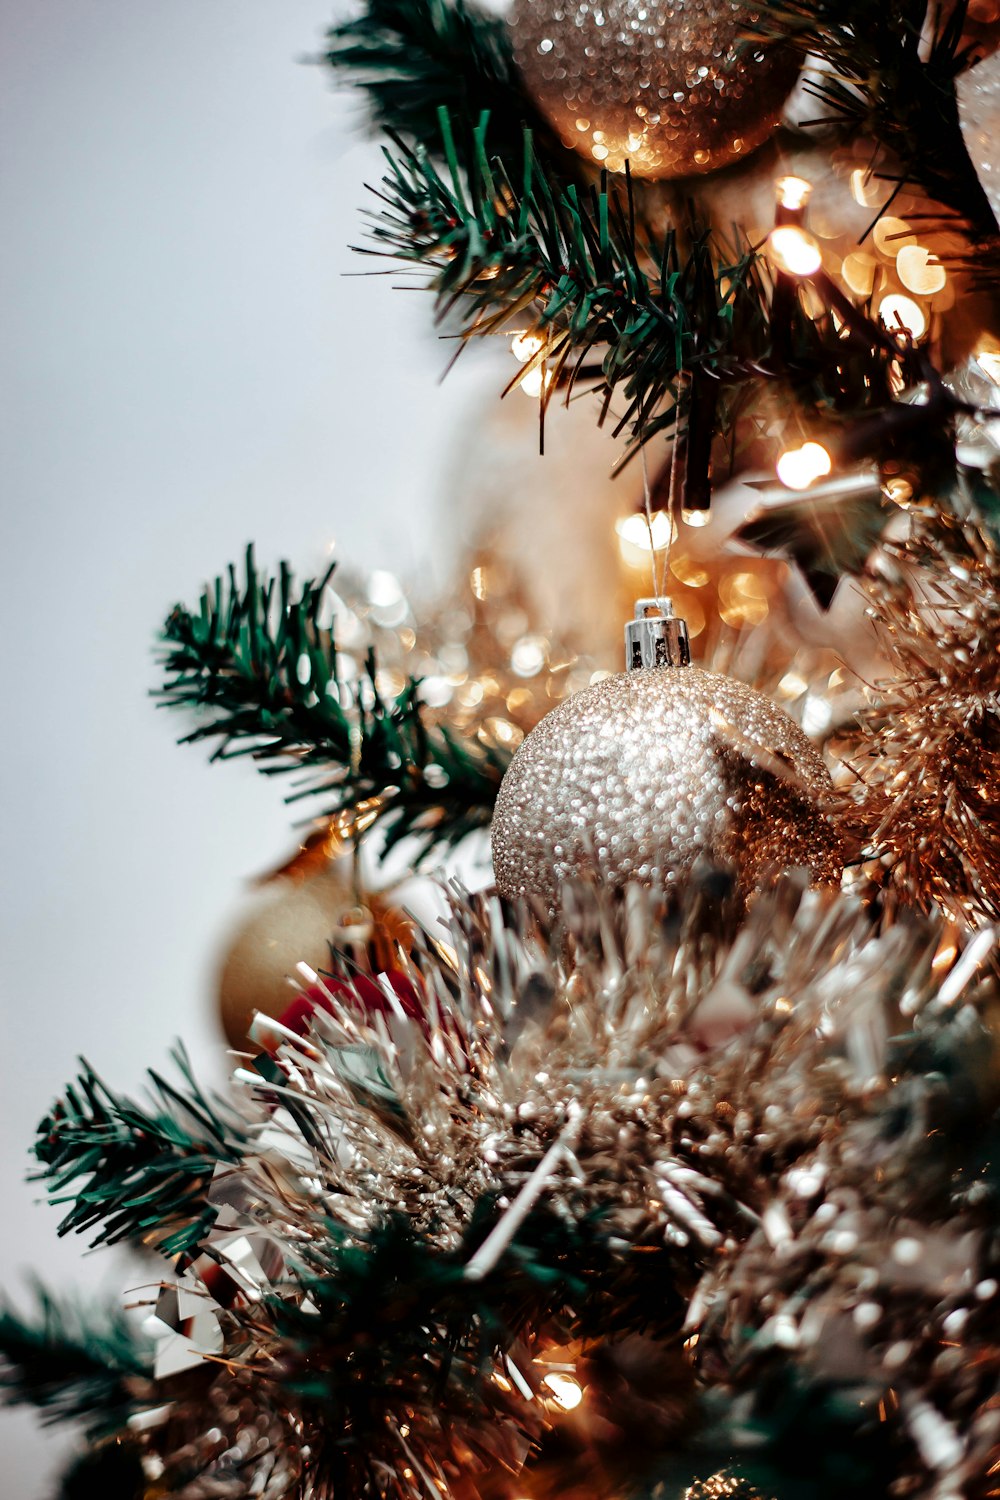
[655, 637]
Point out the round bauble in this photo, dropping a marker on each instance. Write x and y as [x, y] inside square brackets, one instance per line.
[294, 921]
[654, 776]
[666, 87]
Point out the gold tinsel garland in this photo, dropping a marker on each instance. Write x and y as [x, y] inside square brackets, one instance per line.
[927, 758]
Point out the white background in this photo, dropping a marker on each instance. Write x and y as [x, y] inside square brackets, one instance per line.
[185, 367]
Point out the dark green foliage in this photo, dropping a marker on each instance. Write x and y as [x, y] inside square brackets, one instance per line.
[261, 674]
[665, 324]
[394, 1319]
[792, 1440]
[71, 1364]
[140, 1171]
[414, 57]
[514, 227]
[882, 87]
[623, 308]
[553, 1263]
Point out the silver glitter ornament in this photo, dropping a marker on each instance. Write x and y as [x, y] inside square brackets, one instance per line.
[978, 93]
[659, 773]
[665, 87]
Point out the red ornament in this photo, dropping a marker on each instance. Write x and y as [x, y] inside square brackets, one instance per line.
[362, 993]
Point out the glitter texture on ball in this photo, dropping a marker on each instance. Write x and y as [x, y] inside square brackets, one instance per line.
[653, 776]
[667, 88]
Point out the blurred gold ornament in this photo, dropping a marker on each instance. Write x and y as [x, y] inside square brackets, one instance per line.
[655, 775]
[314, 855]
[300, 920]
[666, 88]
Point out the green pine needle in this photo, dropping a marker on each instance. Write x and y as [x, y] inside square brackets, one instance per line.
[140, 1171]
[260, 672]
[384, 1319]
[667, 327]
[414, 56]
[72, 1364]
[621, 308]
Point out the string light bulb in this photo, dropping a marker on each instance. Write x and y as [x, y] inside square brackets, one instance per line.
[647, 536]
[525, 346]
[792, 193]
[566, 1391]
[794, 251]
[798, 468]
[899, 312]
[535, 381]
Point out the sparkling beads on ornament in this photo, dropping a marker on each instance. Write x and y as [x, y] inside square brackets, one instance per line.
[659, 774]
[670, 88]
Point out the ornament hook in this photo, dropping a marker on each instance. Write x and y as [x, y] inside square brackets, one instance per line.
[655, 637]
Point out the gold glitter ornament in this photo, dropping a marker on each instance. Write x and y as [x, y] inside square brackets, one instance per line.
[298, 919]
[659, 773]
[666, 87]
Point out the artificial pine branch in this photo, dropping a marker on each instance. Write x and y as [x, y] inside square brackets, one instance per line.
[504, 242]
[414, 56]
[383, 1319]
[650, 320]
[261, 672]
[516, 224]
[140, 1171]
[71, 1364]
[512, 229]
[892, 80]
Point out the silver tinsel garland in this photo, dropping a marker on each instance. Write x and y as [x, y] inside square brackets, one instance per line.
[755, 1146]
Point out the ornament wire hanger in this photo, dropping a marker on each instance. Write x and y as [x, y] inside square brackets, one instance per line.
[658, 573]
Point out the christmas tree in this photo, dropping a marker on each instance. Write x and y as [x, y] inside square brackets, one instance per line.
[666, 1161]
